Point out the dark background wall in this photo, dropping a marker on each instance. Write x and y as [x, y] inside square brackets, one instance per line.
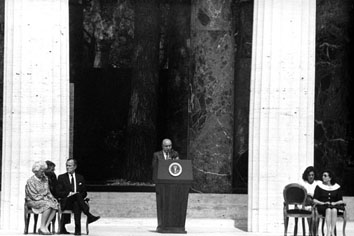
[243, 19]
[334, 121]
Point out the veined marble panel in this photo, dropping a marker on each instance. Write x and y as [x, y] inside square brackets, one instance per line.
[211, 98]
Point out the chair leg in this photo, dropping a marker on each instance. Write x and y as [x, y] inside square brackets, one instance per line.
[27, 218]
[303, 227]
[87, 226]
[35, 223]
[323, 223]
[59, 221]
[295, 227]
[286, 222]
[344, 224]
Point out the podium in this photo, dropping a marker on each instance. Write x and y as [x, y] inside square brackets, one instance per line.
[173, 179]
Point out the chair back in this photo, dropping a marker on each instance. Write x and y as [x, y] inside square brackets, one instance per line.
[294, 194]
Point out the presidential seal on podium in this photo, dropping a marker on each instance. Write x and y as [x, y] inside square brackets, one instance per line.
[175, 169]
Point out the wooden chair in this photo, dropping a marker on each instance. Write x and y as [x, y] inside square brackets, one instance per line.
[294, 206]
[341, 214]
[28, 211]
[61, 212]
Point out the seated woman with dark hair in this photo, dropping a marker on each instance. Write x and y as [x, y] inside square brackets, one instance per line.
[309, 176]
[39, 197]
[310, 183]
[329, 199]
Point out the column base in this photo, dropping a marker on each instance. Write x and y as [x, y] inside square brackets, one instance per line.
[173, 230]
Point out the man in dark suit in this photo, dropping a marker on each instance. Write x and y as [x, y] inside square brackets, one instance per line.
[167, 153]
[71, 190]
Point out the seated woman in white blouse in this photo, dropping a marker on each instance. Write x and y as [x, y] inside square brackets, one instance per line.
[309, 177]
[310, 183]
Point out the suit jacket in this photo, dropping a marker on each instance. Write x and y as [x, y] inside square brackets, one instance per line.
[159, 156]
[64, 187]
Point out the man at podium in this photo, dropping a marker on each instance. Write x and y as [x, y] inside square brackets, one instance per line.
[166, 153]
[172, 177]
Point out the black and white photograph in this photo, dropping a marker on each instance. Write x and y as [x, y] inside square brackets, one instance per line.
[198, 117]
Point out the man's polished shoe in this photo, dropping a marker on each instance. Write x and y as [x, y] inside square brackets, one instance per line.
[92, 218]
[77, 233]
[63, 231]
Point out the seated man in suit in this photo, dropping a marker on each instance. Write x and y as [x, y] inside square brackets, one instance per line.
[167, 153]
[71, 190]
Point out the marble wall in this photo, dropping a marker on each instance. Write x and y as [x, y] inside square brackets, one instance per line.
[211, 99]
[243, 18]
[334, 123]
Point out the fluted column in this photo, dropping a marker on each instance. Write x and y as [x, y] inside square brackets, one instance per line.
[281, 135]
[36, 97]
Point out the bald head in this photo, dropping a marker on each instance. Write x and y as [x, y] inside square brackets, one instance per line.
[166, 145]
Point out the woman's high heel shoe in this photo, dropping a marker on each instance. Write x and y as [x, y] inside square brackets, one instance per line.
[43, 233]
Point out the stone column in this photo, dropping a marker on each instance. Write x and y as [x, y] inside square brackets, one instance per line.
[281, 136]
[36, 97]
[211, 97]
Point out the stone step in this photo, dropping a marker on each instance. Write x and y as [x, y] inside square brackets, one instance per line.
[143, 205]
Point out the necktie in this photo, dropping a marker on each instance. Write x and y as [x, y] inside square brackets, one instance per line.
[72, 183]
[167, 156]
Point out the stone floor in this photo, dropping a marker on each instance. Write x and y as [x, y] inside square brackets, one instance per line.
[194, 227]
